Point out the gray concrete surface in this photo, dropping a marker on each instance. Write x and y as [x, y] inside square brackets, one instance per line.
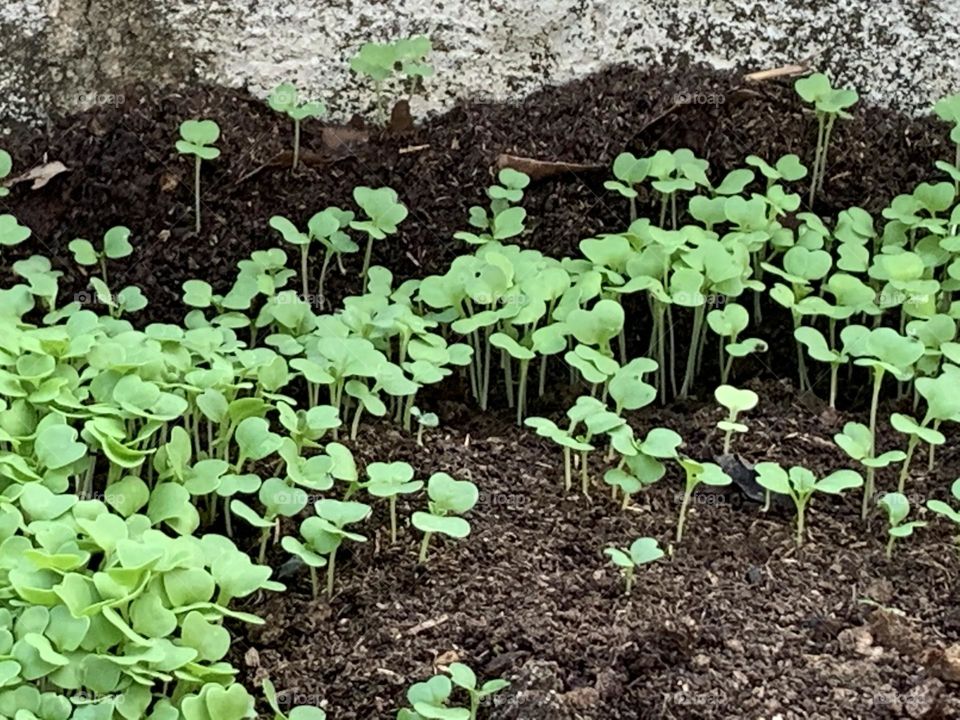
[63, 54]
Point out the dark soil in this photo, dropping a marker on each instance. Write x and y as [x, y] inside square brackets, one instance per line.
[736, 623]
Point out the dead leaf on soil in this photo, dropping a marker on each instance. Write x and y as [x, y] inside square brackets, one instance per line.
[540, 169]
[858, 641]
[342, 141]
[944, 664]
[40, 175]
[444, 659]
[251, 658]
[894, 630]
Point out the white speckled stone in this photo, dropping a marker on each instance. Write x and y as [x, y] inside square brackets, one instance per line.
[898, 53]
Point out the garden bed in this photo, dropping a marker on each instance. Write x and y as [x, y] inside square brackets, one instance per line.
[738, 623]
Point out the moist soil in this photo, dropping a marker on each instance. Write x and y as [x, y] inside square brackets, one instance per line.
[736, 622]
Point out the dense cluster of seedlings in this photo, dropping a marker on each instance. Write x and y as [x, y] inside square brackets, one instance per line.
[125, 451]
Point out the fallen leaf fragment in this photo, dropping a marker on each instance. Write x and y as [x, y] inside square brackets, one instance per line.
[40, 175]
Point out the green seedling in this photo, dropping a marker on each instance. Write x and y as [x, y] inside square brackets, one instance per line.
[424, 420]
[642, 551]
[6, 165]
[466, 679]
[503, 220]
[857, 441]
[380, 61]
[948, 110]
[630, 172]
[697, 473]
[388, 480]
[915, 432]
[279, 499]
[943, 402]
[897, 507]
[641, 463]
[116, 245]
[943, 509]
[285, 99]
[829, 104]
[736, 401]
[12, 232]
[322, 536]
[448, 498]
[383, 213]
[799, 484]
[728, 323]
[300, 712]
[883, 350]
[197, 138]
[430, 700]
[596, 420]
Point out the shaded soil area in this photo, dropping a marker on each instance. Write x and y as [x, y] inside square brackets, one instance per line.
[735, 623]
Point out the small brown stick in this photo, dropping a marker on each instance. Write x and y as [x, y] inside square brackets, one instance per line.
[777, 72]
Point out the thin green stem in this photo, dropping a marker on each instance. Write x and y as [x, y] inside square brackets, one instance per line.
[874, 401]
[367, 254]
[905, 469]
[196, 191]
[331, 569]
[424, 547]
[296, 143]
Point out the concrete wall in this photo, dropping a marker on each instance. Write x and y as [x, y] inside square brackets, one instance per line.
[60, 54]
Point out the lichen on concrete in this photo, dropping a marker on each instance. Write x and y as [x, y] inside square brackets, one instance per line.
[57, 52]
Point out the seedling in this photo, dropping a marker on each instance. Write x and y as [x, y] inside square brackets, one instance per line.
[735, 401]
[448, 499]
[641, 464]
[728, 323]
[379, 62]
[116, 245]
[942, 508]
[883, 350]
[915, 432]
[424, 420]
[322, 536]
[697, 473]
[642, 551]
[430, 700]
[300, 712]
[383, 213]
[388, 480]
[197, 138]
[948, 110]
[11, 231]
[829, 104]
[503, 220]
[465, 678]
[6, 165]
[898, 507]
[799, 484]
[629, 171]
[285, 99]
[857, 441]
